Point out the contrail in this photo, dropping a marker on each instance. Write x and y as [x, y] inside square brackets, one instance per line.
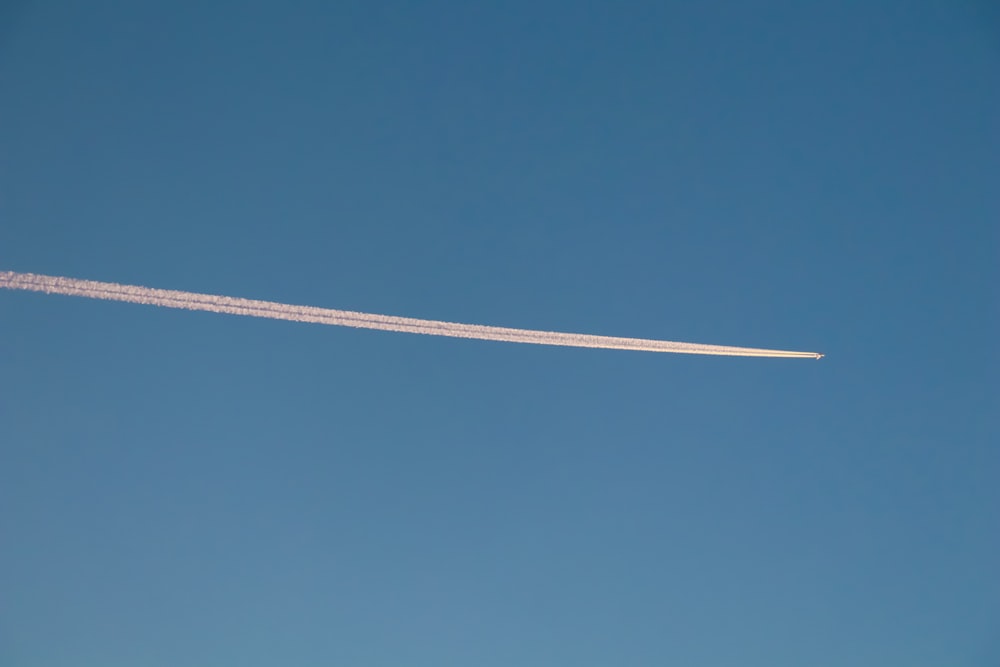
[345, 318]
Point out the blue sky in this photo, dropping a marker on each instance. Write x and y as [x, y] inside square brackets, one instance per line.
[186, 488]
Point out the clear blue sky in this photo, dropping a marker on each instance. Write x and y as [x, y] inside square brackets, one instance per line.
[191, 489]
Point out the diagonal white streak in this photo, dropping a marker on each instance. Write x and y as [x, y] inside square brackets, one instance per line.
[280, 311]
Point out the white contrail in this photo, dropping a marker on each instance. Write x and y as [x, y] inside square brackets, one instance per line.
[280, 311]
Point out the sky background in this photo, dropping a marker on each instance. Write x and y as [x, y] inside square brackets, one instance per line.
[191, 489]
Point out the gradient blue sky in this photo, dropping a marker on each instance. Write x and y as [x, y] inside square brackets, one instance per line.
[190, 489]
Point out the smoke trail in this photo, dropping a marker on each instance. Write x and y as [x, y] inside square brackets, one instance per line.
[346, 318]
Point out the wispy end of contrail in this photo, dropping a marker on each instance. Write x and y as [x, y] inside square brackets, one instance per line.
[345, 318]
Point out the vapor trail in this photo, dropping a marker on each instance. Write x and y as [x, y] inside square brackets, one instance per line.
[280, 311]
